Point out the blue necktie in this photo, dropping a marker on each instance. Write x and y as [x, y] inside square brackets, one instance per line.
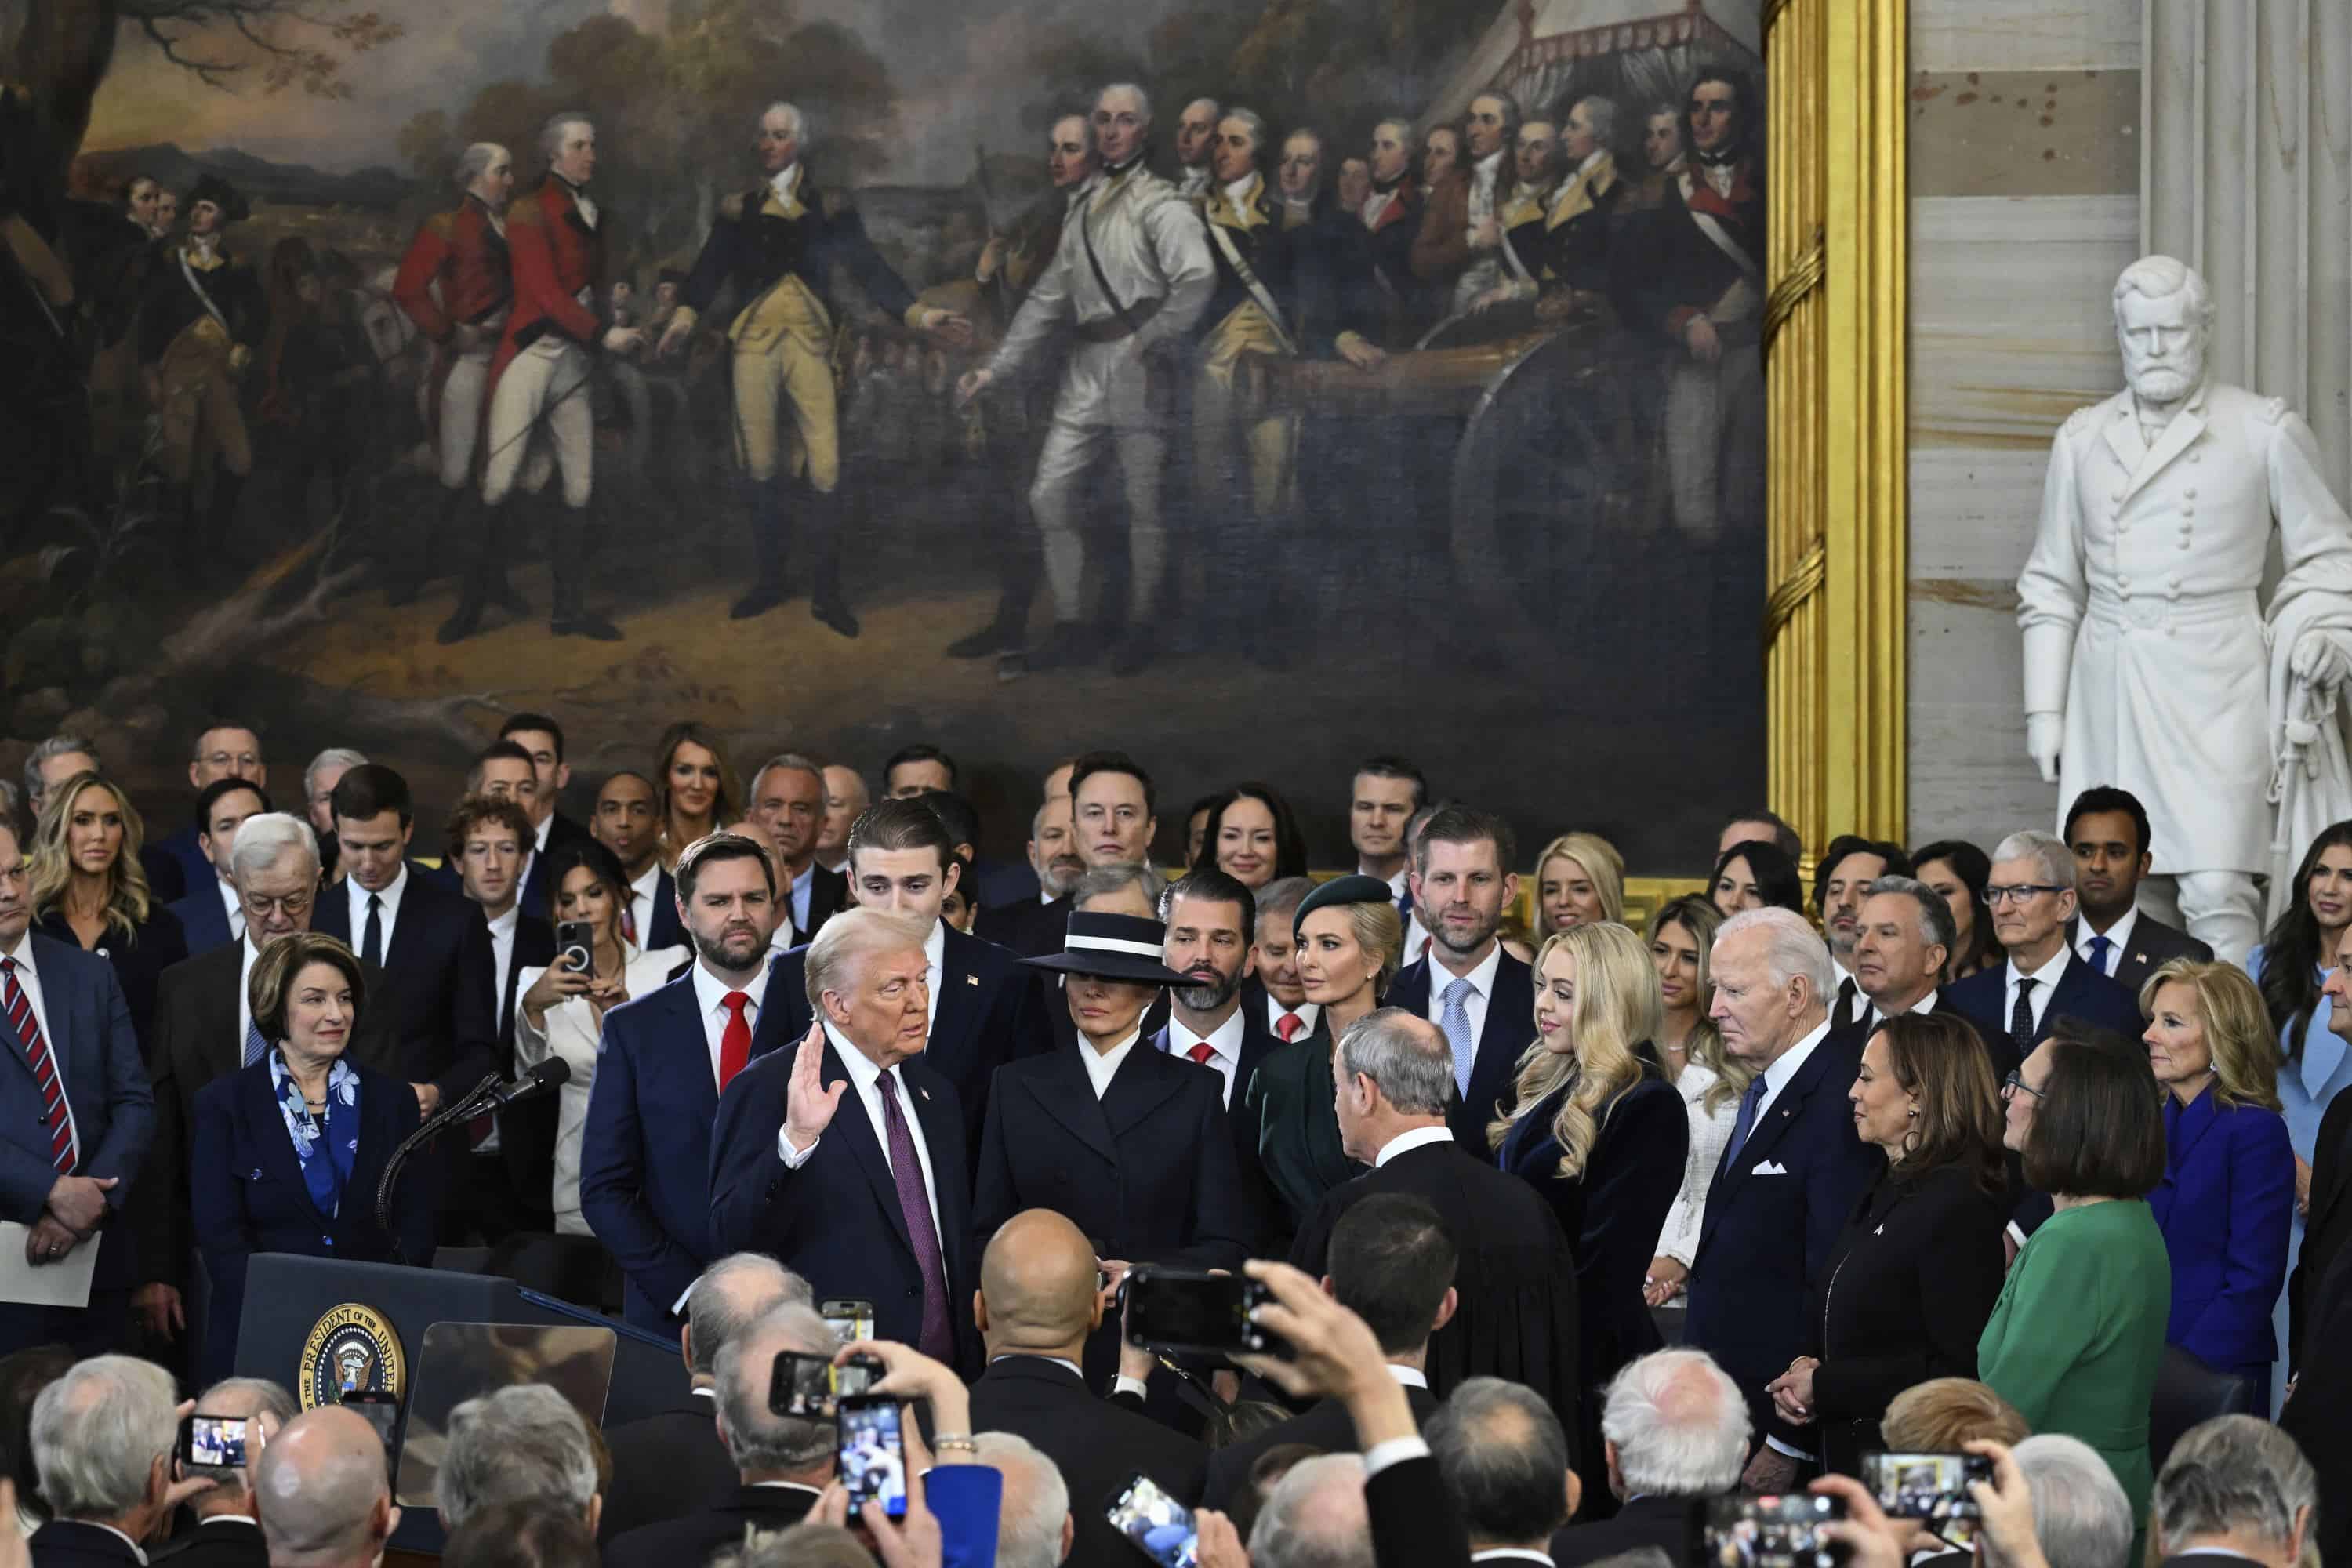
[256, 1047]
[1741, 1128]
[2099, 948]
[1455, 1021]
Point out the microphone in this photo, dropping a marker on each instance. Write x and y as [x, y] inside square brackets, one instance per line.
[552, 1074]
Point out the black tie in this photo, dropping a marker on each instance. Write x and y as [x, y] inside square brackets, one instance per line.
[1845, 1001]
[2020, 1018]
[372, 940]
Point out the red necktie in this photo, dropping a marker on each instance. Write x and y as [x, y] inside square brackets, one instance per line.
[1201, 1051]
[735, 1043]
[54, 1119]
[629, 923]
[1288, 1026]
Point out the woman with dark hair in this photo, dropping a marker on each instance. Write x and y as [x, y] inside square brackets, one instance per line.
[2077, 1336]
[1252, 836]
[1915, 1274]
[1957, 872]
[1756, 875]
[698, 786]
[88, 889]
[562, 1008]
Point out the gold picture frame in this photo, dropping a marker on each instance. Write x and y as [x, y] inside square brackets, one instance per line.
[1836, 363]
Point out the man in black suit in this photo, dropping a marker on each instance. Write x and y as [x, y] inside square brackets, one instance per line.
[178, 866]
[227, 1533]
[209, 913]
[1504, 1456]
[1033, 927]
[433, 947]
[628, 822]
[788, 800]
[541, 739]
[204, 1029]
[2327, 1218]
[102, 1433]
[844, 1158]
[1790, 1176]
[1210, 919]
[1848, 866]
[511, 1172]
[782, 1462]
[1903, 935]
[672, 1462]
[1482, 1000]
[1391, 1263]
[1675, 1429]
[1037, 1307]
[2319, 1410]
[2032, 897]
[2107, 829]
[985, 1009]
[1516, 1278]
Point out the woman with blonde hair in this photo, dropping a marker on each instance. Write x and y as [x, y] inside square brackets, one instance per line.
[698, 790]
[1709, 1078]
[2226, 1201]
[1580, 879]
[88, 889]
[1602, 1134]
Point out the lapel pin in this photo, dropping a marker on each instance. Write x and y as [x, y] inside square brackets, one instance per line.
[972, 980]
[924, 1093]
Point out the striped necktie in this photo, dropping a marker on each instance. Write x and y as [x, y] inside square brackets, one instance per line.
[55, 1117]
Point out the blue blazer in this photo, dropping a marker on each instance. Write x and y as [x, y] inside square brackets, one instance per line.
[2225, 1207]
[245, 1193]
[1768, 1235]
[645, 1155]
[106, 1085]
[1509, 1030]
[203, 919]
[836, 1222]
[2082, 992]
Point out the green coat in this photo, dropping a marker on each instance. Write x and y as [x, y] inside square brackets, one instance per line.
[2077, 1336]
[1290, 1103]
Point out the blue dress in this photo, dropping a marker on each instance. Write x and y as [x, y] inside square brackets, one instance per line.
[2310, 1072]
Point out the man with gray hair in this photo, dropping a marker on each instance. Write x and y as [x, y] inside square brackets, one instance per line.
[1674, 1429]
[2081, 1518]
[103, 1439]
[2032, 894]
[319, 780]
[1904, 936]
[787, 798]
[1504, 1456]
[1033, 1527]
[228, 1525]
[50, 764]
[2233, 1488]
[782, 1462]
[1789, 1178]
[1196, 136]
[323, 1494]
[522, 1444]
[1316, 1518]
[203, 1030]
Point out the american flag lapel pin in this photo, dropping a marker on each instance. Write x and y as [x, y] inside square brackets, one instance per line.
[972, 980]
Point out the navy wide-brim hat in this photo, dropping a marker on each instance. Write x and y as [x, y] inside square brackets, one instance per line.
[1352, 889]
[1113, 947]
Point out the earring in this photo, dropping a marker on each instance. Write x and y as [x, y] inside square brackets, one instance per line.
[1913, 1113]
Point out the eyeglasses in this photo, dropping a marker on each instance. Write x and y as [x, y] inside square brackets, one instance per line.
[2015, 1082]
[2023, 891]
[292, 904]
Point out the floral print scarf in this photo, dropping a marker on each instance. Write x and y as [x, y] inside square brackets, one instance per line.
[327, 1145]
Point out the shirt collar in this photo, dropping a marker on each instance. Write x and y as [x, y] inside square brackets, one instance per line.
[1777, 1076]
[24, 954]
[1592, 162]
[649, 884]
[1225, 1039]
[538, 839]
[1103, 1066]
[935, 953]
[1510, 1554]
[1481, 979]
[1406, 1142]
[786, 180]
[2119, 935]
[390, 894]
[230, 1519]
[1491, 165]
[2047, 976]
[1072, 1368]
[710, 991]
[503, 926]
[1410, 1376]
[1239, 191]
[787, 1486]
[857, 1063]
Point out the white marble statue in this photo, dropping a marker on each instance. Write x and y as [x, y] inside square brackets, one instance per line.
[2150, 660]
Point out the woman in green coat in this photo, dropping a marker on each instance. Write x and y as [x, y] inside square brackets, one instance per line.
[2077, 1336]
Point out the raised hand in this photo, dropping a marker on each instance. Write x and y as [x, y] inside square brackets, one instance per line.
[808, 1104]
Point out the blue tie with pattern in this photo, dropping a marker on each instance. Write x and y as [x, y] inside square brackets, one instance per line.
[1454, 1019]
[1746, 1122]
[256, 1047]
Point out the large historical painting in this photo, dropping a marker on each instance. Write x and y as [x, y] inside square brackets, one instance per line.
[1351, 375]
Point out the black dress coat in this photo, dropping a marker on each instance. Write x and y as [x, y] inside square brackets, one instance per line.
[1097, 1445]
[1325, 1425]
[154, 945]
[2328, 1224]
[1912, 1281]
[693, 1538]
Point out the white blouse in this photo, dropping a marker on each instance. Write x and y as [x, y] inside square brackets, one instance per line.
[1709, 1131]
[572, 1032]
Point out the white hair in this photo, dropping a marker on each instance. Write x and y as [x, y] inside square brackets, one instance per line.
[470, 164]
[2047, 850]
[2230, 1475]
[332, 757]
[757, 1437]
[1251, 121]
[522, 1444]
[1216, 111]
[266, 837]
[1603, 114]
[1791, 948]
[97, 1433]
[2160, 277]
[1680, 1424]
[551, 132]
[1142, 98]
[793, 118]
[1037, 1500]
[732, 1294]
[1395, 1049]
[2080, 1517]
[1294, 1531]
[848, 940]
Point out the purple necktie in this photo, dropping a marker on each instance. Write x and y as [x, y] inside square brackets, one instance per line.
[938, 1340]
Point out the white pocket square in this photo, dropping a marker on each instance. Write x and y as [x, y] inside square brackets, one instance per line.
[1770, 1168]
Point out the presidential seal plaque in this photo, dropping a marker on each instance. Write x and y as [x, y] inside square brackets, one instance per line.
[352, 1347]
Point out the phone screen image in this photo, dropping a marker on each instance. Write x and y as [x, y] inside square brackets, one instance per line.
[873, 1458]
[216, 1442]
[853, 1320]
[382, 1411]
[1769, 1532]
[1160, 1526]
[1930, 1488]
[801, 1386]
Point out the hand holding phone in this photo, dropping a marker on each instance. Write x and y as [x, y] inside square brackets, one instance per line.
[575, 946]
[1936, 1489]
[810, 1387]
[1154, 1524]
[871, 1456]
[219, 1441]
[1782, 1529]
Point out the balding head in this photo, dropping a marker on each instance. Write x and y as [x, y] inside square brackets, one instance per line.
[1315, 1518]
[731, 1294]
[322, 1494]
[1037, 1286]
[1677, 1426]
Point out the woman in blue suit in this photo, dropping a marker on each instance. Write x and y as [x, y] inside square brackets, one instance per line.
[2227, 1200]
[286, 1153]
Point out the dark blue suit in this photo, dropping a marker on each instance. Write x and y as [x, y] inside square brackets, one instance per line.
[990, 1010]
[247, 1194]
[195, 869]
[203, 919]
[2225, 1206]
[2082, 992]
[1768, 1235]
[1510, 1026]
[666, 931]
[113, 1110]
[645, 1155]
[836, 1222]
[439, 966]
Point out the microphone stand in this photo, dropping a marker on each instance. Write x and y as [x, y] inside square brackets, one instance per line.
[463, 1111]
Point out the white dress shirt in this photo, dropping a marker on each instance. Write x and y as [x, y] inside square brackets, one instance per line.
[390, 898]
[641, 900]
[1224, 1041]
[2046, 986]
[1406, 1142]
[866, 1079]
[1378, 203]
[245, 996]
[502, 935]
[786, 181]
[711, 996]
[1103, 1066]
[1869, 1013]
[227, 892]
[797, 901]
[935, 960]
[2118, 937]
[1308, 1013]
[29, 977]
[1482, 991]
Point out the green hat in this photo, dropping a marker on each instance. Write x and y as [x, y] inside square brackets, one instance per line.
[1353, 889]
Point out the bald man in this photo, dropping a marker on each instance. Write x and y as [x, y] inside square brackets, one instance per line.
[1037, 1303]
[322, 1492]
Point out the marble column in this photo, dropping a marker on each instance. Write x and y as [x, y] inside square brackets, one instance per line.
[2246, 174]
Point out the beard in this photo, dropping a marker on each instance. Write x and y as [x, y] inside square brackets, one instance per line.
[1207, 998]
[1479, 935]
[736, 950]
[2162, 383]
[1061, 874]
